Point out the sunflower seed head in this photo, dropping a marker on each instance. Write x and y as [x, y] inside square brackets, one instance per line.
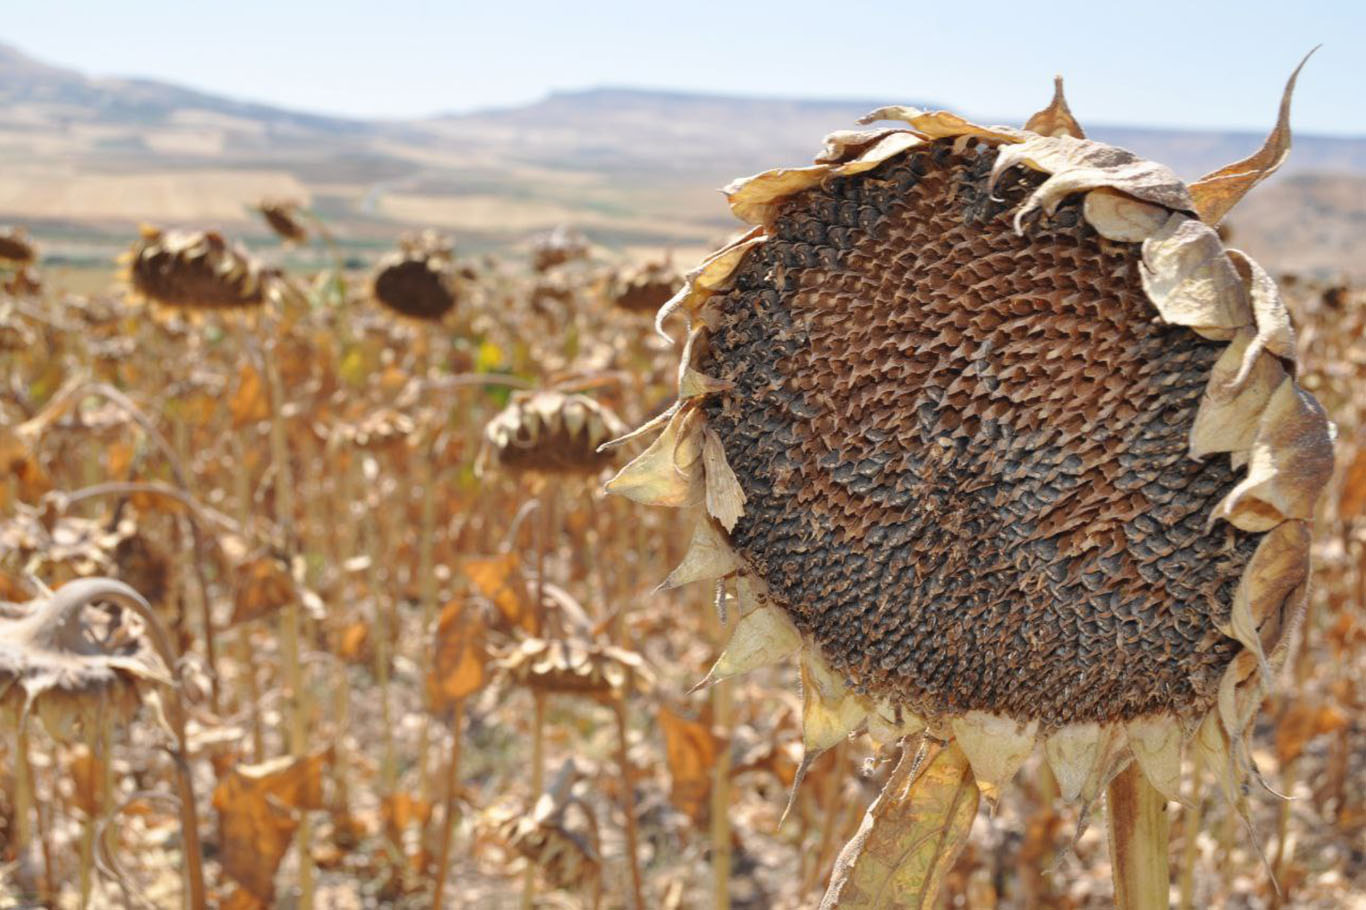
[195, 269]
[552, 433]
[418, 280]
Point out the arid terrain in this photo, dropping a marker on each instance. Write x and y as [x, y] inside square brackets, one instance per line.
[82, 160]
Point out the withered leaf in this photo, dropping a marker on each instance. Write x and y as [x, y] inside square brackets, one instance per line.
[249, 402]
[691, 749]
[499, 578]
[909, 836]
[460, 662]
[258, 809]
[264, 585]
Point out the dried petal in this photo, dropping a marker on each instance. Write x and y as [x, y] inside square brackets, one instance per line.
[1215, 193]
[655, 477]
[1076, 165]
[1119, 217]
[1056, 119]
[1290, 462]
[1072, 753]
[1156, 744]
[725, 498]
[1189, 279]
[763, 636]
[709, 556]
[1235, 397]
[995, 745]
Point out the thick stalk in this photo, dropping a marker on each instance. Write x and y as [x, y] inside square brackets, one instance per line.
[443, 863]
[720, 799]
[290, 617]
[537, 785]
[1137, 819]
[628, 805]
[426, 487]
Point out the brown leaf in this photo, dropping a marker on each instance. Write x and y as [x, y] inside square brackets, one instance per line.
[18, 461]
[499, 578]
[353, 644]
[1302, 720]
[909, 836]
[264, 585]
[1215, 193]
[249, 402]
[258, 811]
[1056, 119]
[460, 663]
[401, 811]
[1352, 498]
[691, 749]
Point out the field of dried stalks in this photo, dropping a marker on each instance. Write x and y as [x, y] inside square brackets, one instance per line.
[411, 665]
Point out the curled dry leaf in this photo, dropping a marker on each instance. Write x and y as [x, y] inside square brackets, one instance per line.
[910, 835]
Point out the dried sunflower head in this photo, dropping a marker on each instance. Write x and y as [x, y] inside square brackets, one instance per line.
[418, 281]
[552, 433]
[283, 218]
[563, 244]
[196, 270]
[995, 432]
[574, 667]
[645, 289]
[62, 657]
[15, 247]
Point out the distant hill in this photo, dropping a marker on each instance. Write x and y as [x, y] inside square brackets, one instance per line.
[82, 160]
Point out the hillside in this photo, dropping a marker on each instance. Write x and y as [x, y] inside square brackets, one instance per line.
[83, 160]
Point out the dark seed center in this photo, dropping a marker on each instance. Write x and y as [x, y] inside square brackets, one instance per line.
[965, 451]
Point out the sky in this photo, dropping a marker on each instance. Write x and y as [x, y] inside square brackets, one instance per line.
[1193, 63]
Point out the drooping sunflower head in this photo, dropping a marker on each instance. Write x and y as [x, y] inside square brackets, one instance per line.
[195, 270]
[646, 288]
[418, 280]
[551, 432]
[15, 247]
[992, 428]
[283, 218]
[556, 247]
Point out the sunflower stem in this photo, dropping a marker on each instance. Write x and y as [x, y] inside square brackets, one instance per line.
[720, 799]
[1137, 820]
[443, 863]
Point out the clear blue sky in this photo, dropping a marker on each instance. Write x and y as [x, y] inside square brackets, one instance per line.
[1154, 62]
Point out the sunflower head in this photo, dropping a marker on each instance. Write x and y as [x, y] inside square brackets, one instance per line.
[645, 289]
[16, 250]
[994, 432]
[556, 247]
[418, 280]
[195, 270]
[283, 218]
[64, 658]
[549, 432]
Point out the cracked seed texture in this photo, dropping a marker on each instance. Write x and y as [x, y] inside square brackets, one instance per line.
[965, 451]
